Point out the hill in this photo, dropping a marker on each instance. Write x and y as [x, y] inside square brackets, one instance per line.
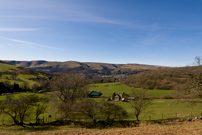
[85, 67]
[13, 78]
[167, 79]
[6, 67]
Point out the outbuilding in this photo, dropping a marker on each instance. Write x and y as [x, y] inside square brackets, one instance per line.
[94, 94]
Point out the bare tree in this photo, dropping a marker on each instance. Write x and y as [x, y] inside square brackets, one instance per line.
[35, 87]
[68, 87]
[65, 109]
[140, 103]
[17, 109]
[111, 111]
[193, 86]
[198, 60]
[40, 108]
[89, 108]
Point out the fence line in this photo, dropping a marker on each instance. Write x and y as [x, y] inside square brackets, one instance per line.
[162, 116]
[151, 117]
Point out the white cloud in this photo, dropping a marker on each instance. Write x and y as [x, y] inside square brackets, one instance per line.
[62, 11]
[30, 44]
[16, 29]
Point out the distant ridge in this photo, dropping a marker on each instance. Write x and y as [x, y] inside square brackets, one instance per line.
[85, 67]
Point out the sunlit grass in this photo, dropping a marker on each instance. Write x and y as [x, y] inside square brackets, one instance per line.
[7, 67]
[160, 109]
[108, 89]
[21, 79]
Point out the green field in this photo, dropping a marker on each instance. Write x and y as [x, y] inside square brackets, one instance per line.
[5, 119]
[7, 67]
[21, 75]
[165, 109]
[21, 78]
[161, 108]
[108, 89]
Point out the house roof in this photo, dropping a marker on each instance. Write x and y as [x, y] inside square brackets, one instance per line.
[130, 98]
[95, 93]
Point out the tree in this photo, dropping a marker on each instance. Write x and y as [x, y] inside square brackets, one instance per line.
[19, 108]
[69, 87]
[3, 88]
[89, 108]
[193, 86]
[25, 86]
[113, 95]
[7, 84]
[111, 111]
[35, 87]
[14, 75]
[16, 87]
[198, 60]
[140, 103]
[40, 108]
[124, 95]
[65, 109]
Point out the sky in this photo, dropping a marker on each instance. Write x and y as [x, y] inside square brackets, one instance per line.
[153, 32]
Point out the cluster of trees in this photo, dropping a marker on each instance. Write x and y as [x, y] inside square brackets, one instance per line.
[7, 87]
[90, 110]
[70, 100]
[192, 89]
[167, 79]
[73, 102]
[23, 107]
[94, 80]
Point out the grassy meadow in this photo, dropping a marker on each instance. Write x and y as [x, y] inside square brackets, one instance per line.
[160, 108]
[22, 75]
[108, 89]
[21, 78]
[7, 67]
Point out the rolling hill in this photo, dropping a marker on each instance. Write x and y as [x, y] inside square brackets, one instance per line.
[85, 67]
[11, 74]
[166, 79]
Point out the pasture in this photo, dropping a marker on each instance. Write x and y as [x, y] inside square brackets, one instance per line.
[7, 67]
[160, 108]
[108, 89]
[21, 79]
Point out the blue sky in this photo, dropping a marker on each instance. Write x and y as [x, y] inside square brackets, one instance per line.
[155, 32]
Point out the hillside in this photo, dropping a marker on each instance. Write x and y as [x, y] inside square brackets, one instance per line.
[167, 79]
[18, 78]
[6, 67]
[85, 67]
